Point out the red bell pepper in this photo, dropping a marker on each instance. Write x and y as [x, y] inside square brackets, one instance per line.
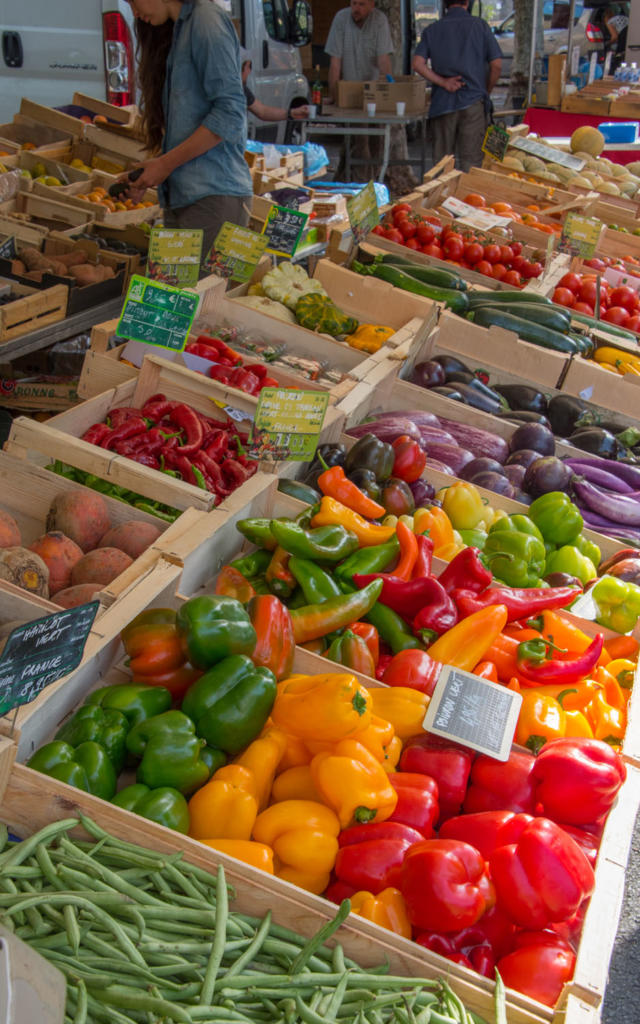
[445, 762]
[338, 891]
[465, 572]
[502, 785]
[445, 885]
[417, 804]
[577, 779]
[414, 596]
[412, 668]
[410, 459]
[477, 956]
[486, 830]
[541, 878]
[520, 604]
[384, 661]
[444, 945]
[539, 967]
[422, 565]
[370, 856]
[588, 843]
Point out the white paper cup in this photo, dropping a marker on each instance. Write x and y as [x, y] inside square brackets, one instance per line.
[312, 110]
[371, 109]
[400, 107]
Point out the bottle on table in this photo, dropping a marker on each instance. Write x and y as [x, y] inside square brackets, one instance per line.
[316, 91]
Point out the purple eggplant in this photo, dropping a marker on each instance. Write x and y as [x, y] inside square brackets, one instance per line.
[428, 374]
[481, 465]
[607, 478]
[515, 474]
[523, 457]
[453, 456]
[547, 474]
[474, 439]
[495, 482]
[534, 436]
[387, 428]
[617, 508]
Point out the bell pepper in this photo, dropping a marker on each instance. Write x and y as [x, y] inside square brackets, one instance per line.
[541, 718]
[334, 484]
[258, 532]
[352, 652]
[417, 802]
[387, 909]
[414, 669]
[303, 837]
[539, 967]
[463, 504]
[278, 577]
[169, 752]
[409, 459]
[275, 643]
[322, 708]
[258, 855]
[465, 572]
[380, 740]
[513, 554]
[135, 701]
[86, 766]
[618, 604]
[294, 783]
[445, 885]
[105, 726]
[152, 643]
[232, 583]
[557, 518]
[447, 763]
[466, 643]
[226, 807]
[369, 634]
[607, 722]
[353, 783]
[332, 514]
[165, 806]
[569, 560]
[329, 542]
[213, 628]
[437, 524]
[577, 780]
[397, 498]
[252, 565]
[499, 786]
[486, 830]
[262, 758]
[520, 604]
[370, 856]
[368, 560]
[313, 621]
[231, 702]
[370, 453]
[541, 878]
[403, 706]
[536, 667]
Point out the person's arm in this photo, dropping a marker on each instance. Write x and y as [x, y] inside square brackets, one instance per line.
[335, 67]
[451, 84]
[611, 29]
[159, 168]
[495, 67]
[266, 113]
[384, 63]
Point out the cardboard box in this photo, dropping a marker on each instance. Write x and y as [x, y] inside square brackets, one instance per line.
[38, 394]
[350, 95]
[408, 89]
[555, 78]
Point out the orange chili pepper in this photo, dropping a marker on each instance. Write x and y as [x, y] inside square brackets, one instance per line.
[232, 583]
[624, 671]
[622, 647]
[577, 724]
[514, 684]
[521, 633]
[408, 551]
[486, 670]
[612, 689]
[335, 484]
[502, 653]
[565, 634]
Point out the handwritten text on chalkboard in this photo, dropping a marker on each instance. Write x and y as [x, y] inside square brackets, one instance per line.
[283, 228]
[473, 711]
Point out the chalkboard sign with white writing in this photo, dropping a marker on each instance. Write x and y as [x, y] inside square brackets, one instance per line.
[283, 228]
[8, 249]
[42, 651]
[474, 711]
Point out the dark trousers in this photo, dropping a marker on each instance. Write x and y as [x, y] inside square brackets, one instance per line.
[210, 214]
[460, 134]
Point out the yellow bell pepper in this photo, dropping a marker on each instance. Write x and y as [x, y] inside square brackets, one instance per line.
[463, 504]
[436, 523]
[577, 724]
[295, 753]
[608, 723]
[256, 854]
[226, 807]
[354, 784]
[303, 835]
[403, 706]
[387, 909]
[323, 708]
[541, 718]
[369, 337]
[624, 670]
[380, 739]
[295, 784]
[262, 758]
[334, 513]
[466, 643]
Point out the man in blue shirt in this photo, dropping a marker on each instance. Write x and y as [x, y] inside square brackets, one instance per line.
[465, 62]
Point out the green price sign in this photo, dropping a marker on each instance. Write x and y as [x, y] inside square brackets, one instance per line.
[363, 212]
[580, 235]
[287, 424]
[496, 142]
[157, 314]
[235, 252]
[174, 256]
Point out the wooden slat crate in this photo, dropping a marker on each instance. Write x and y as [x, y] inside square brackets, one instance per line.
[30, 309]
[43, 213]
[25, 130]
[76, 193]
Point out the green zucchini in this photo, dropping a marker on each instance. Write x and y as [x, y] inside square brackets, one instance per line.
[532, 311]
[428, 275]
[506, 297]
[454, 300]
[537, 334]
[296, 489]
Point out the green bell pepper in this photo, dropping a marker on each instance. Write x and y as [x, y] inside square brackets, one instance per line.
[316, 584]
[323, 544]
[557, 518]
[134, 700]
[86, 766]
[376, 558]
[231, 703]
[588, 548]
[514, 553]
[252, 565]
[165, 806]
[474, 538]
[370, 453]
[214, 627]
[570, 560]
[169, 751]
[105, 726]
[618, 603]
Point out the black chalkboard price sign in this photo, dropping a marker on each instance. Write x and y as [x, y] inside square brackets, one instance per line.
[8, 249]
[496, 142]
[473, 711]
[42, 651]
[283, 228]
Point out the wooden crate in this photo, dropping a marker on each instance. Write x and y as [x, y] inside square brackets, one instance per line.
[97, 239]
[61, 435]
[68, 123]
[75, 194]
[26, 131]
[31, 309]
[46, 213]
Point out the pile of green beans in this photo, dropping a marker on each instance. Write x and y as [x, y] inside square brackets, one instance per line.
[148, 938]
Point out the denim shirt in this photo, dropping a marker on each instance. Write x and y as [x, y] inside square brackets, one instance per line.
[203, 87]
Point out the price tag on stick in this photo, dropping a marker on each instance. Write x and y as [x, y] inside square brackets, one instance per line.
[8, 249]
[174, 256]
[40, 652]
[473, 711]
[288, 424]
[496, 142]
[157, 314]
[580, 235]
[363, 212]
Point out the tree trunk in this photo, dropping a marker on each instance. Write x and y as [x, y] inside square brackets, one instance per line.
[523, 30]
[400, 179]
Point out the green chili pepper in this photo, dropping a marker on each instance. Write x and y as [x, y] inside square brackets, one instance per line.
[254, 564]
[317, 585]
[376, 558]
[258, 531]
[324, 544]
[314, 621]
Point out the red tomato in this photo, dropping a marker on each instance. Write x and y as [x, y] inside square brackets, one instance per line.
[588, 292]
[633, 323]
[432, 249]
[571, 281]
[425, 233]
[595, 264]
[516, 247]
[583, 307]
[625, 297]
[484, 267]
[616, 315]
[473, 252]
[378, 230]
[400, 208]
[412, 243]
[518, 262]
[531, 269]
[499, 271]
[453, 247]
[564, 296]
[512, 278]
[492, 253]
[506, 254]
[394, 235]
[432, 219]
[407, 229]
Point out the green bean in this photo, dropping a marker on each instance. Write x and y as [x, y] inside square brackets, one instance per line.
[129, 999]
[19, 852]
[72, 929]
[321, 937]
[253, 948]
[47, 867]
[219, 939]
[106, 875]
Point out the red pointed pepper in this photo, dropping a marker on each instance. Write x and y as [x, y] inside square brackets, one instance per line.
[370, 856]
[413, 596]
[445, 762]
[417, 804]
[187, 419]
[577, 779]
[422, 565]
[445, 885]
[535, 666]
[465, 572]
[520, 604]
[502, 785]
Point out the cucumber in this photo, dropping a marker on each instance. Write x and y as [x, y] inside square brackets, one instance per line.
[506, 297]
[296, 489]
[428, 275]
[454, 300]
[537, 334]
[533, 311]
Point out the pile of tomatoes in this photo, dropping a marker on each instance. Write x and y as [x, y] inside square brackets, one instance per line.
[619, 305]
[528, 215]
[426, 233]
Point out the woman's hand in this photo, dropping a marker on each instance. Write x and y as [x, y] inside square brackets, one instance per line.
[154, 172]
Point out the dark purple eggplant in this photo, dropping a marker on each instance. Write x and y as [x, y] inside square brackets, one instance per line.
[428, 374]
[515, 474]
[481, 465]
[459, 377]
[523, 457]
[475, 394]
[449, 391]
[495, 482]
[450, 364]
[535, 436]
[523, 398]
[547, 474]
[597, 441]
[521, 496]
[423, 492]
[521, 416]
[562, 579]
[565, 413]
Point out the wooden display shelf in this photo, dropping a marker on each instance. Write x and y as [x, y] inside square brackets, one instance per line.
[31, 309]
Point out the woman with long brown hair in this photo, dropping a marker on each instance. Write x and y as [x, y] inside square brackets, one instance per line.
[193, 114]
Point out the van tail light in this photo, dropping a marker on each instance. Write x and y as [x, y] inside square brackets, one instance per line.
[118, 59]
[593, 33]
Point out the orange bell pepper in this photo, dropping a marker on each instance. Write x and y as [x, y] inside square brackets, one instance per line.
[502, 653]
[256, 854]
[226, 807]
[624, 671]
[577, 724]
[387, 909]
[467, 643]
[296, 753]
[486, 670]
[403, 706]
[354, 784]
[436, 523]
[613, 692]
[262, 758]
[608, 723]
[304, 838]
[622, 647]
[323, 708]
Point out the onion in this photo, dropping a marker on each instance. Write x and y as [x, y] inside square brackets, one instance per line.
[548, 474]
[535, 436]
[482, 465]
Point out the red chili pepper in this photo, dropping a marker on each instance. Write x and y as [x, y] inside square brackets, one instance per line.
[145, 458]
[422, 567]
[97, 433]
[270, 382]
[235, 473]
[576, 779]
[407, 597]
[116, 417]
[465, 572]
[541, 670]
[410, 459]
[502, 786]
[413, 668]
[520, 604]
[213, 472]
[370, 856]
[130, 428]
[186, 419]
[156, 407]
[445, 762]
[417, 804]
[218, 446]
[258, 368]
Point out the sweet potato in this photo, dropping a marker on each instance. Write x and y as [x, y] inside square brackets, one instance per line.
[131, 537]
[60, 554]
[73, 258]
[82, 593]
[85, 274]
[25, 569]
[100, 566]
[35, 260]
[82, 515]
[18, 268]
[9, 531]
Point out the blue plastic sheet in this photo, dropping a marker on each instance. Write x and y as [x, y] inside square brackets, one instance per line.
[315, 157]
[352, 188]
